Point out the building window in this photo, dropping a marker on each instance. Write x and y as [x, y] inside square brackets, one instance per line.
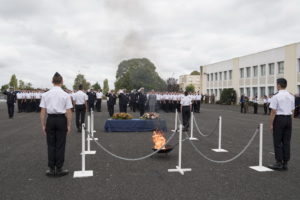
[211, 92]
[212, 77]
[220, 75]
[216, 92]
[255, 71]
[248, 72]
[241, 91]
[280, 67]
[263, 70]
[271, 90]
[230, 74]
[207, 91]
[248, 92]
[225, 76]
[298, 64]
[242, 72]
[207, 77]
[262, 91]
[254, 91]
[216, 76]
[271, 69]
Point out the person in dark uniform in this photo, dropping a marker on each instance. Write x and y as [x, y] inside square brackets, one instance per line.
[297, 105]
[92, 98]
[242, 102]
[265, 104]
[57, 104]
[255, 104]
[10, 101]
[186, 109]
[111, 101]
[80, 101]
[282, 105]
[133, 96]
[123, 101]
[142, 100]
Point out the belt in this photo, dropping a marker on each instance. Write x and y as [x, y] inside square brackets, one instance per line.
[186, 106]
[283, 115]
[56, 115]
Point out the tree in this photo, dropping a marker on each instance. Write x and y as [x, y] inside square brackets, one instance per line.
[172, 85]
[105, 86]
[4, 87]
[21, 85]
[195, 73]
[80, 80]
[13, 82]
[190, 88]
[96, 86]
[228, 96]
[28, 86]
[64, 87]
[137, 73]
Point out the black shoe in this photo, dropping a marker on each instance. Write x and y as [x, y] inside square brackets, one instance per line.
[61, 172]
[277, 166]
[50, 172]
[285, 166]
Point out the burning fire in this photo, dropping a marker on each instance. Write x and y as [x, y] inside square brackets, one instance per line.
[159, 139]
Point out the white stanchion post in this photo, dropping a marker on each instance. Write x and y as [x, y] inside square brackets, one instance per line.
[93, 125]
[219, 149]
[89, 128]
[176, 120]
[260, 166]
[83, 172]
[178, 167]
[192, 128]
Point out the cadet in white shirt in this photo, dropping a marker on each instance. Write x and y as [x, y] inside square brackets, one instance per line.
[282, 105]
[186, 108]
[99, 96]
[80, 103]
[57, 104]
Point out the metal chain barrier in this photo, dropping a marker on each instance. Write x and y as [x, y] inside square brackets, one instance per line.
[131, 159]
[231, 159]
[202, 134]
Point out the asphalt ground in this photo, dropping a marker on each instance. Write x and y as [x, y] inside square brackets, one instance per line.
[23, 161]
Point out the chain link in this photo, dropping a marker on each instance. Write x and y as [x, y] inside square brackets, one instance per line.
[229, 160]
[202, 134]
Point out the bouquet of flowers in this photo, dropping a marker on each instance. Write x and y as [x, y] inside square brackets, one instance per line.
[122, 116]
[150, 116]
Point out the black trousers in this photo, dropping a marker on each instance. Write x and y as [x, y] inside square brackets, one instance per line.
[186, 115]
[98, 105]
[265, 108]
[123, 108]
[142, 109]
[28, 105]
[255, 105]
[80, 115]
[37, 105]
[10, 109]
[20, 109]
[91, 106]
[133, 106]
[111, 109]
[282, 131]
[56, 129]
[242, 107]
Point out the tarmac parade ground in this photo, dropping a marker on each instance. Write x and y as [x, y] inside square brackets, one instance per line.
[24, 161]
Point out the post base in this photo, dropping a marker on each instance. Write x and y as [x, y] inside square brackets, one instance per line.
[261, 169]
[92, 139]
[180, 170]
[219, 150]
[82, 174]
[193, 138]
[90, 152]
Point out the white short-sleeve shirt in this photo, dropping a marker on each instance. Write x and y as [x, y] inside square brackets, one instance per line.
[99, 95]
[283, 102]
[80, 98]
[56, 101]
[186, 101]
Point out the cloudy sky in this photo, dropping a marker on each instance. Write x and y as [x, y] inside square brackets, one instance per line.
[40, 37]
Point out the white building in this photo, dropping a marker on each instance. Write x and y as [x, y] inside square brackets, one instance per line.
[254, 74]
[185, 80]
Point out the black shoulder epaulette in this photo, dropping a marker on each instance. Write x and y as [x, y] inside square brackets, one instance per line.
[275, 93]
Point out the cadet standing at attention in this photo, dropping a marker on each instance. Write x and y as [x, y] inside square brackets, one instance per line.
[186, 108]
[10, 101]
[57, 104]
[282, 105]
[80, 103]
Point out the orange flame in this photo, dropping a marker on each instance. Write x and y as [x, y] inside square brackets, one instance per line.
[159, 139]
